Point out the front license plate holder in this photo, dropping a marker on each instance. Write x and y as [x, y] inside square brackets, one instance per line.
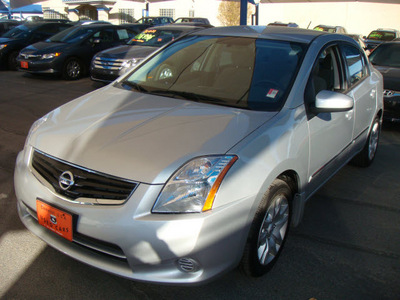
[57, 220]
[24, 64]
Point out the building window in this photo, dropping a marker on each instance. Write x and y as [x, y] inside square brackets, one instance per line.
[52, 14]
[167, 12]
[126, 15]
[191, 13]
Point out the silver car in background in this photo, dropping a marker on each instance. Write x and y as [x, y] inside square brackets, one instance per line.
[200, 159]
[108, 65]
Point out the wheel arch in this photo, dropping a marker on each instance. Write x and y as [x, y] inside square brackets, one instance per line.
[292, 178]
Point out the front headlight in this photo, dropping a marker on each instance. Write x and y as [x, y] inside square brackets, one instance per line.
[34, 127]
[3, 46]
[193, 187]
[130, 63]
[50, 55]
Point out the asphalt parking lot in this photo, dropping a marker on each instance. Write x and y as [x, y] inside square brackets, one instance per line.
[347, 247]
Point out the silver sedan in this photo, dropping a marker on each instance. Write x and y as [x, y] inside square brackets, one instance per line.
[201, 158]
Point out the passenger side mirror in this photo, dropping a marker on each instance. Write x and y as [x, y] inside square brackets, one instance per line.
[328, 101]
[96, 41]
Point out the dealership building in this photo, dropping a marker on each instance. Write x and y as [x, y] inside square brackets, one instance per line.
[356, 16]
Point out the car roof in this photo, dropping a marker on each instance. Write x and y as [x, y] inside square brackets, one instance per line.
[96, 25]
[9, 21]
[37, 24]
[267, 32]
[159, 17]
[176, 27]
[396, 41]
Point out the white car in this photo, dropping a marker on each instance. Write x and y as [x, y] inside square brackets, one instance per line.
[201, 158]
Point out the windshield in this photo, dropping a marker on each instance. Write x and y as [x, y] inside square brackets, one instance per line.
[386, 55]
[71, 35]
[381, 36]
[231, 71]
[19, 32]
[154, 37]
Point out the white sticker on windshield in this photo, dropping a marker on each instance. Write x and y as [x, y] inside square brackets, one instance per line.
[272, 93]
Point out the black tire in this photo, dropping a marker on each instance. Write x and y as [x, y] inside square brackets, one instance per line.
[73, 69]
[269, 228]
[368, 153]
[12, 61]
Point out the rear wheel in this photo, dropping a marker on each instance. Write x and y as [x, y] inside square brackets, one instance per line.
[368, 153]
[73, 69]
[268, 230]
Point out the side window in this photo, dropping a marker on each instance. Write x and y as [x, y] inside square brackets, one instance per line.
[107, 35]
[94, 36]
[62, 27]
[49, 29]
[356, 67]
[122, 34]
[326, 74]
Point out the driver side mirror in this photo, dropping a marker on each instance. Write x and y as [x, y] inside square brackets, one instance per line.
[328, 101]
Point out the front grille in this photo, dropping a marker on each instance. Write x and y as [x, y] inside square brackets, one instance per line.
[108, 63]
[84, 183]
[29, 56]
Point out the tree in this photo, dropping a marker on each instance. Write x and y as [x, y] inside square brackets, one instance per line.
[229, 12]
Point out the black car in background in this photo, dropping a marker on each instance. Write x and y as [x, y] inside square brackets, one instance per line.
[195, 20]
[6, 25]
[155, 21]
[386, 59]
[24, 35]
[69, 53]
[331, 29]
[290, 24]
[379, 36]
[109, 64]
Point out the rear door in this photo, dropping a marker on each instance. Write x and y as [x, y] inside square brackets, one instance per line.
[360, 87]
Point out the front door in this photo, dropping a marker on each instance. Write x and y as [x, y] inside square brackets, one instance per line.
[331, 133]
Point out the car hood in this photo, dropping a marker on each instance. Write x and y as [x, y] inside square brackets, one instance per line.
[44, 47]
[391, 77]
[127, 52]
[7, 40]
[138, 136]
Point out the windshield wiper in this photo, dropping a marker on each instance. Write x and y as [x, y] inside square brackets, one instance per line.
[187, 96]
[135, 86]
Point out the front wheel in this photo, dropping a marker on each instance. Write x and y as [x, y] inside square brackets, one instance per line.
[73, 69]
[368, 153]
[268, 230]
[12, 61]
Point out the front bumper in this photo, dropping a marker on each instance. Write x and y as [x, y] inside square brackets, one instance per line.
[104, 75]
[129, 241]
[47, 66]
[392, 107]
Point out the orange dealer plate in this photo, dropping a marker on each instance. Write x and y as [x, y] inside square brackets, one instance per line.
[54, 219]
[24, 64]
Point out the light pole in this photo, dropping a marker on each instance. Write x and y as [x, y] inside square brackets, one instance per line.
[243, 12]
